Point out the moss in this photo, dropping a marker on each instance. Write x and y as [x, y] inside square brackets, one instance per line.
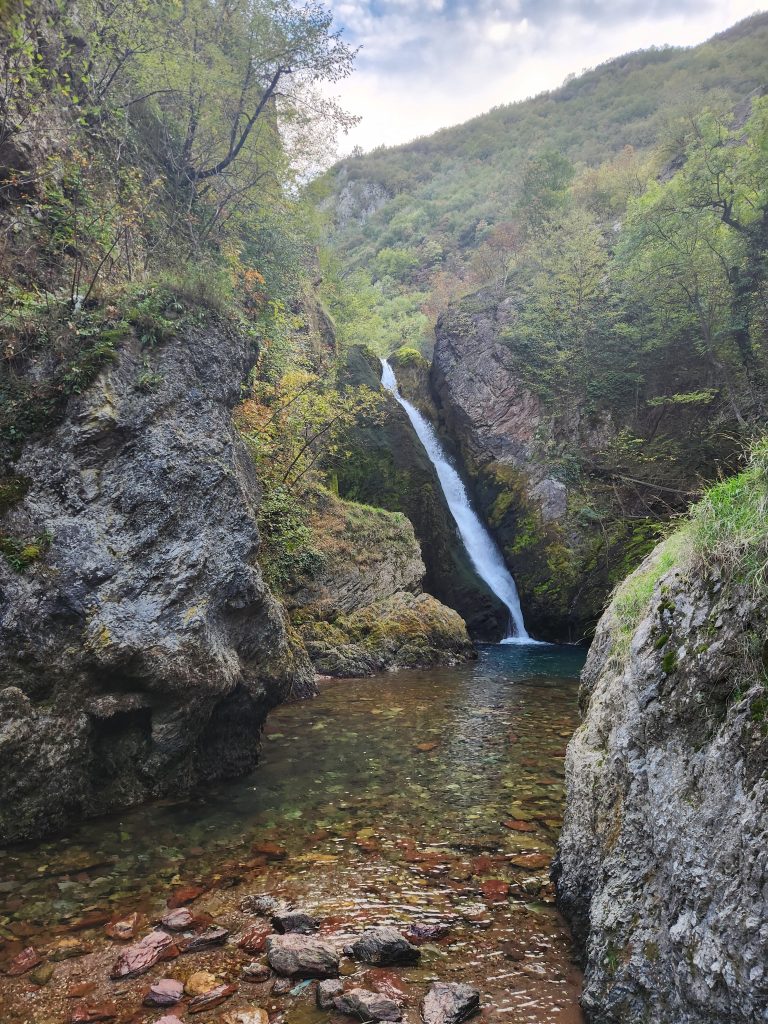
[20, 554]
[669, 662]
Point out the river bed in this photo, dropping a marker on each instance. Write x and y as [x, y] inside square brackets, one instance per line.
[412, 798]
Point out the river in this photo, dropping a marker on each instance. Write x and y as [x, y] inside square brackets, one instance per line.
[415, 797]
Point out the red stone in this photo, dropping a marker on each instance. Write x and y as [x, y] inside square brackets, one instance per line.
[425, 748]
[517, 825]
[26, 960]
[123, 929]
[495, 890]
[177, 920]
[90, 1014]
[213, 998]
[81, 989]
[270, 850]
[140, 958]
[531, 861]
[254, 939]
[184, 894]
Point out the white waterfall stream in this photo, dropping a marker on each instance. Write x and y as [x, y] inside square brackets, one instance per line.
[481, 548]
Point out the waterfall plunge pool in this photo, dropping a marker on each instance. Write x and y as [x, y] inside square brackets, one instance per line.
[414, 797]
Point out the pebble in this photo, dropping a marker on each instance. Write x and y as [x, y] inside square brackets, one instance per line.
[164, 992]
[255, 972]
[212, 999]
[199, 983]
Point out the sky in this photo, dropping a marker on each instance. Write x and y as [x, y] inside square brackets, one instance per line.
[424, 66]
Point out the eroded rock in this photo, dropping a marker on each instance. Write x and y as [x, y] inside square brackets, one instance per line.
[138, 959]
[449, 1002]
[292, 955]
[326, 993]
[368, 1006]
[383, 946]
[297, 921]
[164, 992]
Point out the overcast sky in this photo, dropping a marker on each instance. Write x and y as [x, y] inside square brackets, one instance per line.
[425, 65]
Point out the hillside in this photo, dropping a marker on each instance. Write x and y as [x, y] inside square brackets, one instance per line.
[413, 224]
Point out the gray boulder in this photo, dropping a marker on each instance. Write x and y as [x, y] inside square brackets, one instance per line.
[383, 947]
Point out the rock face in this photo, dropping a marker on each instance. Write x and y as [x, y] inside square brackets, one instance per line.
[663, 857]
[364, 611]
[506, 441]
[141, 653]
[390, 469]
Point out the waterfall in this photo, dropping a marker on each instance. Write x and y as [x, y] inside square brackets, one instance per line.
[483, 552]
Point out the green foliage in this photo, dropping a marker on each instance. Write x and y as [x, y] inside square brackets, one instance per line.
[288, 553]
[21, 554]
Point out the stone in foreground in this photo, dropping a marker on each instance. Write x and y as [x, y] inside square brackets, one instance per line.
[140, 958]
[211, 999]
[164, 992]
[292, 955]
[383, 947]
[449, 1002]
[327, 992]
[368, 1006]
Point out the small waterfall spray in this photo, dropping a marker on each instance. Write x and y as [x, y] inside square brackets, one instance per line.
[483, 552]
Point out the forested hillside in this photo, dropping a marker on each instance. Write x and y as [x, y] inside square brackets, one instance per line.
[417, 226]
[589, 270]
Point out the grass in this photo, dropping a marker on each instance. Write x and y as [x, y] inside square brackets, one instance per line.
[726, 531]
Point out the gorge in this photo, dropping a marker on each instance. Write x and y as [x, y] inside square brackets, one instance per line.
[293, 469]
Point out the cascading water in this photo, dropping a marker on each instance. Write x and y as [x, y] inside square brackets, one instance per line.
[483, 552]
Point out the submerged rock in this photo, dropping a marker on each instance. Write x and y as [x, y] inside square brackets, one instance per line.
[292, 955]
[212, 999]
[140, 958]
[177, 920]
[24, 961]
[327, 992]
[213, 936]
[368, 1006]
[383, 946]
[199, 983]
[449, 1002]
[165, 992]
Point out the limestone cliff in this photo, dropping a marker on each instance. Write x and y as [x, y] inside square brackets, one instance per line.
[663, 857]
[141, 651]
[364, 610]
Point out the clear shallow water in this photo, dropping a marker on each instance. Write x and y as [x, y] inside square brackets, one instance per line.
[411, 797]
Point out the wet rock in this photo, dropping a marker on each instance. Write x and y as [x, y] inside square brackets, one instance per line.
[519, 825]
[42, 974]
[124, 929]
[262, 904]
[291, 955]
[495, 890]
[68, 949]
[253, 1016]
[93, 1014]
[212, 999]
[199, 983]
[383, 946]
[165, 992]
[81, 989]
[368, 1006]
[254, 940]
[294, 921]
[271, 851]
[282, 986]
[141, 957]
[531, 861]
[168, 1019]
[449, 1003]
[24, 961]
[327, 992]
[211, 937]
[420, 933]
[184, 894]
[256, 973]
[177, 920]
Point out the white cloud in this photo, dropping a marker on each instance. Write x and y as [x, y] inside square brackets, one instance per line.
[427, 65]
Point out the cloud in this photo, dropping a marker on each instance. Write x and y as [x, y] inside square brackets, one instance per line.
[434, 63]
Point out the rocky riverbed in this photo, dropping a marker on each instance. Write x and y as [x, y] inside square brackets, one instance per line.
[423, 802]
